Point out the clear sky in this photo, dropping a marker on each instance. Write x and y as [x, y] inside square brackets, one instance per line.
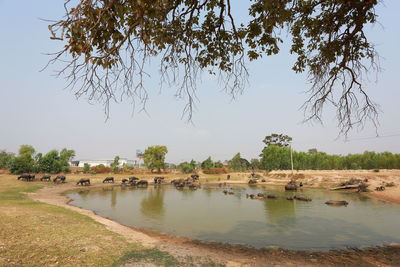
[36, 110]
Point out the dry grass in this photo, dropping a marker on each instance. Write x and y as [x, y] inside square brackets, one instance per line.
[38, 234]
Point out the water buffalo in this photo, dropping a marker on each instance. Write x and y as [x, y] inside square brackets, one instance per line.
[193, 185]
[195, 176]
[124, 181]
[178, 182]
[45, 178]
[60, 178]
[143, 183]
[83, 182]
[271, 196]
[380, 188]
[228, 177]
[133, 178]
[26, 177]
[291, 186]
[158, 180]
[337, 202]
[302, 198]
[252, 181]
[108, 180]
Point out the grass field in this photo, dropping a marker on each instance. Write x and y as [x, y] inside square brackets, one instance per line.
[38, 234]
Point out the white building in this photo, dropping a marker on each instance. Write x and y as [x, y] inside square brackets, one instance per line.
[105, 162]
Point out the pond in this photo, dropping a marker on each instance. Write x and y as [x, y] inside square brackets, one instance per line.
[209, 215]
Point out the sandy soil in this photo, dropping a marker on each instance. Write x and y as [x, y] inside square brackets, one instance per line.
[243, 256]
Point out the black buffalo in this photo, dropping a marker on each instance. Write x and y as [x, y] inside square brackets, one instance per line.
[108, 180]
[59, 178]
[143, 183]
[83, 182]
[26, 177]
[158, 180]
[45, 178]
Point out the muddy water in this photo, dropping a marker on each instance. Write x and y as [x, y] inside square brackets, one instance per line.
[209, 215]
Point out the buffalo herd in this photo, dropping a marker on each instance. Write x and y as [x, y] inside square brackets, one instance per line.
[191, 182]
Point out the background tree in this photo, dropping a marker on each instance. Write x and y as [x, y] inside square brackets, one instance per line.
[255, 164]
[115, 164]
[218, 164]
[66, 155]
[278, 140]
[25, 161]
[275, 157]
[207, 164]
[109, 43]
[276, 154]
[50, 162]
[54, 161]
[237, 163]
[154, 157]
[5, 159]
[86, 168]
[188, 167]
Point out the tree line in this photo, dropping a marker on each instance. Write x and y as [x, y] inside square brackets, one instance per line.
[276, 155]
[27, 160]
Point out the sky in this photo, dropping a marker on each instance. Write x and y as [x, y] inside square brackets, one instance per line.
[36, 109]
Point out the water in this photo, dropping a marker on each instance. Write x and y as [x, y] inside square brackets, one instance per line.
[209, 215]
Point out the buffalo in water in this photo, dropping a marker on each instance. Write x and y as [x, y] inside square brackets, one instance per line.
[190, 182]
[143, 183]
[83, 182]
[133, 178]
[124, 181]
[302, 198]
[59, 178]
[158, 180]
[291, 186]
[108, 180]
[337, 203]
[45, 178]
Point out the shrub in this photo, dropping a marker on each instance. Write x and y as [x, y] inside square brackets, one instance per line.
[86, 168]
[100, 169]
[216, 171]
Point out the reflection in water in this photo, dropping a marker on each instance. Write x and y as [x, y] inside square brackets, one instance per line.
[153, 204]
[210, 215]
[83, 193]
[113, 197]
[277, 210]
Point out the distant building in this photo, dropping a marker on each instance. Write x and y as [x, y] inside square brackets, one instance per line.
[105, 162]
